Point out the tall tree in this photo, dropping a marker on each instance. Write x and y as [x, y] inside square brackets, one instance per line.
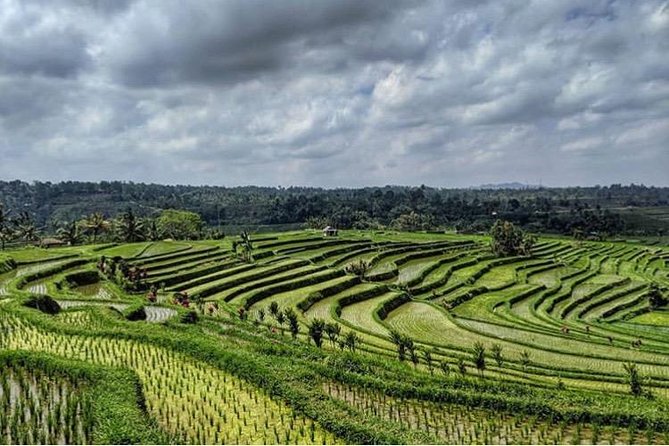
[69, 233]
[180, 225]
[509, 240]
[130, 228]
[246, 245]
[6, 232]
[95, 225]
[24, 227]
[397, 339]
[316, 329]
[293, 322]
[479, 357]
[633, 378]
[333, 330]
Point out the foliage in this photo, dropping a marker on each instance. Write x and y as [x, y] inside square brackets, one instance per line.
[496, 352]
[358, 268]
[316, 329]
[595, 211]
[129, 227]
[509, 240]
[293, 321]
[633, 378]
[656, 297]
[413, 222]
[478, 357]
[69, 233]
[96, 224]
[179, 225]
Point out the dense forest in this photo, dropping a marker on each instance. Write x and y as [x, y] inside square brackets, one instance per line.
[588, 211]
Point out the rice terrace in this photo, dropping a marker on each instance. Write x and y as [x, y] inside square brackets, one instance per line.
[363, 337]
[334, 222]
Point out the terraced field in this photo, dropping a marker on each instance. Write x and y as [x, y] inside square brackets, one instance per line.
[559, 325]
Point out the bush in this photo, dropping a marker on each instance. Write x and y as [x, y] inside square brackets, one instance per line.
[189, 317]
[45, 304]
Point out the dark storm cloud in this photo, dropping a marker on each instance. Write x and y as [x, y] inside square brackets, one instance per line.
[213, 41]
[34, 44]
[335, 93]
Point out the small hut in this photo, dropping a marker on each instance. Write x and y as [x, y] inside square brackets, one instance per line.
[51, 243]
[329, 231]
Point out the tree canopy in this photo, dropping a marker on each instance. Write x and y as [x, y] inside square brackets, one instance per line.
[179, 225]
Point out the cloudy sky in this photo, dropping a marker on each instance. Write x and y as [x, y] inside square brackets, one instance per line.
[335, 93]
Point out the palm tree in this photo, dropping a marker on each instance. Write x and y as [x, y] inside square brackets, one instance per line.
[131, 229]
[247, 246]
[397, 339]
[633, 378]
[96, 224]
[274, 309]
[525, 359]
[496, 350]
[427, 356]
[411, 348]
[462, 367]
[152, 230]
[479, 357]
[25, 227]
[69, 233]
[333, 331]
[351, 340]
[280, 319]
[293, 322]
[6, 232]
[316, 329]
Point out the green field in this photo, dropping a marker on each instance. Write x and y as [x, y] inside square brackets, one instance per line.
[108, 366]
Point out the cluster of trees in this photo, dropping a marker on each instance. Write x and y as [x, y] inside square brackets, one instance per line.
[94, 228]
[591, 211]
[506, 239]
[18, 228]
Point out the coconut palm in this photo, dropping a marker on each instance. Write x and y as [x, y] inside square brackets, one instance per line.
[479, 357]
[316, 329]
[633, 378]
[130, 228]
[25, 228]
[69, 233]
[427, 356]
[496, 350]
[351, 340]
[246, 245]
[293, 322]
[274, 309]
[333, 330]
[6, 232]
[96, 224]
[152, 230]
[397, 339]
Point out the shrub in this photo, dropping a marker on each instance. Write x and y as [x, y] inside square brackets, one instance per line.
[189, 317]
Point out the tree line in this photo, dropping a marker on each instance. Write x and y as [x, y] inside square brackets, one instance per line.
[126, 227]
[590, 211]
